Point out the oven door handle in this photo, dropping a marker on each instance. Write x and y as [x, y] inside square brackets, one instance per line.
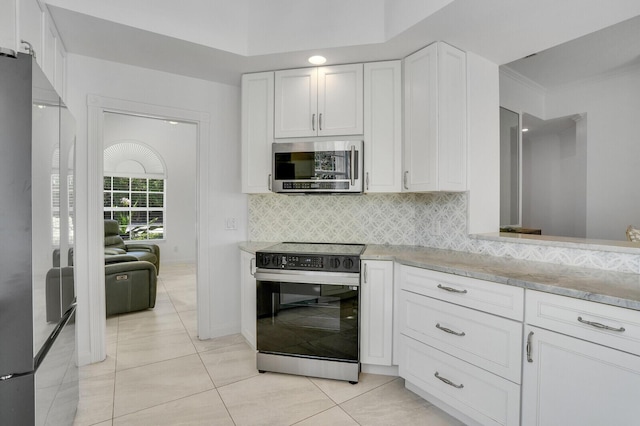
[308, 277]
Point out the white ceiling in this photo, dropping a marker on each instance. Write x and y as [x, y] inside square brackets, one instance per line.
[218, 40]
[609, 50]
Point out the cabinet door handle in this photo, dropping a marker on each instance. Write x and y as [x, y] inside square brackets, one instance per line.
[364, 274]
[529, 347]
[451, 289]
[448, 330]
[320, 121]
[367, 181]
[447, 381]
[602, 326]
[406, 174]
[313, 122]
[252, 267]
[269, 181]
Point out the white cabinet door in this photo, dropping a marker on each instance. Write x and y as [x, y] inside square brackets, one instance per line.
[435, 120]
[296, 103]
[452, 119]
[383, 126]
[573, 382]
[248, 297]
[376, 299]
[323, 101]
[340, 103]
[421, 120]
[257, 131]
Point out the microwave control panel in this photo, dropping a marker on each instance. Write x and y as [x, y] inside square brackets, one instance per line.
[315, 185]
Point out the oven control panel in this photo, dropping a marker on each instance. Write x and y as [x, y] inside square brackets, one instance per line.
[304, 262]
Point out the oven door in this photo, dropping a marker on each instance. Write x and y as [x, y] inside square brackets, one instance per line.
[308, 314]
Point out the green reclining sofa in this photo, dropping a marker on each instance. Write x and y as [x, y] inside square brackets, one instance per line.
[131, 271]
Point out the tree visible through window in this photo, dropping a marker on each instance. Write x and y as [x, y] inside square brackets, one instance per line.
[138, 204]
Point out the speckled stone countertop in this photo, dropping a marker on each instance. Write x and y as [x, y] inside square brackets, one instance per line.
[611, 288]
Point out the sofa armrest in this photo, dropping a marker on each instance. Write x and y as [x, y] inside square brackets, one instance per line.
[110, 251]
[119, 258]
[151, 248]
[147, 247]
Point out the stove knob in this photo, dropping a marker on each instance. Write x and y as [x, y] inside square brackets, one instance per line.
[264, 260]
[334, 263]
[348, 263]
[277, 260]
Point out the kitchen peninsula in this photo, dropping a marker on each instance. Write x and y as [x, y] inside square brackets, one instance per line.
[497, 340]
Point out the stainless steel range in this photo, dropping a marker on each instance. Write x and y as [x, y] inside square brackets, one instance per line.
[307, 309]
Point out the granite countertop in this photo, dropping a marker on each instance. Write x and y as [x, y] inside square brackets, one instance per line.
[608, 287]
[612, 288]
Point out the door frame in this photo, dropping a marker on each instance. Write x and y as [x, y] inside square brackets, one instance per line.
[90, 247]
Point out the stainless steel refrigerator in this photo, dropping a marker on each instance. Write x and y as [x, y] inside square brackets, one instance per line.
[38, 361]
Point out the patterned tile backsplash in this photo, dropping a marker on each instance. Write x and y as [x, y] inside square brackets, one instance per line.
[436, 220]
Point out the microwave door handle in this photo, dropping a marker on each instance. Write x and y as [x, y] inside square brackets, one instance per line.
[352, 165]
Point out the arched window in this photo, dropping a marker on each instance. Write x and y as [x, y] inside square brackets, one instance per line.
[134, 190]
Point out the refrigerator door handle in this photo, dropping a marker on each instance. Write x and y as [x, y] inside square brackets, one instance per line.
[54, 335]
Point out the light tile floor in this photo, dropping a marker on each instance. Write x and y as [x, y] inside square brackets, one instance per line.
[157, 372]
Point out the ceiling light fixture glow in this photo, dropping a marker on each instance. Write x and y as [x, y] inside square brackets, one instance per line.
[317, 60]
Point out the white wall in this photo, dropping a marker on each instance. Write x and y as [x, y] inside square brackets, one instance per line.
[612, 106]
[176, 145]
[91, 76]
[553, 184]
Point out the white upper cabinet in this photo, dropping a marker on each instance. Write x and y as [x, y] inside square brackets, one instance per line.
[435, 117]
[325, 101]
[257, 131]
[383, 126]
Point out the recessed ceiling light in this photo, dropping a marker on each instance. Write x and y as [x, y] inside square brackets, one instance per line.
[317, 60]
[525, 130]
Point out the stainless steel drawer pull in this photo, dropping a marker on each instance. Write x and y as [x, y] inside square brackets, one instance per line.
[598, 325]
[452, 290]
[449, 382]
[529, 359]
[448, 330]
[313, 122]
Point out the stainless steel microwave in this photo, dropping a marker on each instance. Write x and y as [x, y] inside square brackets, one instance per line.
[317, 167]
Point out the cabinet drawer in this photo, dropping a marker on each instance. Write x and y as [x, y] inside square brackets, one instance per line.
[485, 397]
[498, 299]
[488, 341]
[572, 317]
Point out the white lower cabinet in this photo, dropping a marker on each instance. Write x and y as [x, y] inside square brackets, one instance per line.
[248, 297]
[376, 310]
[454, 353]
[579, 381]
[482, 396]
[485, 340]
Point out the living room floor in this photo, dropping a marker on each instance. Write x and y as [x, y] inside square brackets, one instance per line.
[157, 372]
